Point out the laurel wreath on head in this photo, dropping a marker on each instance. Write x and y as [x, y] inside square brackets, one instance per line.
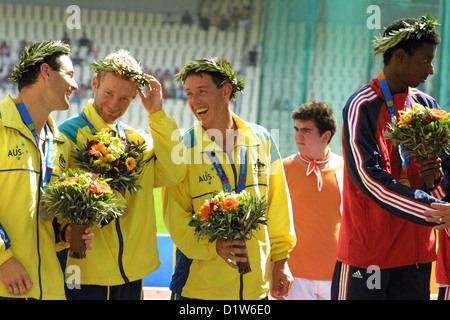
[425, 25]
[209, 65]
[37, 54]
[137, 77]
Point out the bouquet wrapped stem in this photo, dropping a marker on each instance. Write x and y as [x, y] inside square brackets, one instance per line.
[244, 267]
[427, 182]
[77, 249]
[230, 216]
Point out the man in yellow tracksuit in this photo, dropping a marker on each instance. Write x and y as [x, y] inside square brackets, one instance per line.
[124, 251]
[33, 153]
[247, 158]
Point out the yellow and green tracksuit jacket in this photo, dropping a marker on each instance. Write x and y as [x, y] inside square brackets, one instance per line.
[23, 234]
[126, 250]
[200, 272]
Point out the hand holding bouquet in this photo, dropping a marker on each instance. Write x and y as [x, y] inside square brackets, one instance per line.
[81, 199]
[113, 158]
[421, 132]
[230, 216]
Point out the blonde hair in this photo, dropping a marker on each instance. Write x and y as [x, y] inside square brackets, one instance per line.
[122, 64]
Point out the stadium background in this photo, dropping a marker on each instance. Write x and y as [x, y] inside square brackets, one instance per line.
[289, 51]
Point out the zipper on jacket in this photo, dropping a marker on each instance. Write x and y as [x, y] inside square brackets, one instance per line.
[416, 245]
[37, 234]
[120, 257]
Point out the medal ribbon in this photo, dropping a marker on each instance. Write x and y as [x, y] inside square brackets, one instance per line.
[223, 177]
[313, 166]
[46, 164]
[122, 136]
[120, 128]
[390, 104]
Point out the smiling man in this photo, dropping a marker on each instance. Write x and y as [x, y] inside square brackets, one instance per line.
[33, 154]
[383, 223]
[235, 155]
[126, 250]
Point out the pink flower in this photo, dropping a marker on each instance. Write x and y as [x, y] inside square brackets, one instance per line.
[213, 203]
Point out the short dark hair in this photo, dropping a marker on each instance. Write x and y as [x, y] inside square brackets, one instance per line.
[320, 113]
[412, 44]
[30, 76]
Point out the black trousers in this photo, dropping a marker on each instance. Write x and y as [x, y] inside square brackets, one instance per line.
[401, 283]
[127, 291]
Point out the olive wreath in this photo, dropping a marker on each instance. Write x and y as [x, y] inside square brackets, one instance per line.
[137, 77]
[37, 54]
[210, 65]
[425, 25]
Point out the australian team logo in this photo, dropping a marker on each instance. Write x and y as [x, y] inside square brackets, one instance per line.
[62, 163]
[207, 176]
[259, 167]
[18, 151]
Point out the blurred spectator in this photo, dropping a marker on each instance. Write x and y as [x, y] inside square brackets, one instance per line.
[245, 12]
[5, 51]
[186, 18]
[253, 57]
[79, 95]
[180, 93]
[92, 51]
[76, 60]
[2, 75]
[84, 41]
[204, 22]
[215, 18]
[168, 19]
[6, 59]
[224, 23]
[65, 38]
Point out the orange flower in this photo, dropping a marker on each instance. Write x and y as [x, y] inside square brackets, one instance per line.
[130, 163]
[103, 188]
[205, 211]
[438, 114]
[405, 120]
[229, 203]
[70, 180]
[99, 150]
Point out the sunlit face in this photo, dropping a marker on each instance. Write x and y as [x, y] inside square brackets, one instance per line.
[63, 84]
[417, 67]
[308, 139]
[208, 103]
[112, 96]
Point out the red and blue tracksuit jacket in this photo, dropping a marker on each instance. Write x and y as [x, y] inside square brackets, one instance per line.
[383, 222]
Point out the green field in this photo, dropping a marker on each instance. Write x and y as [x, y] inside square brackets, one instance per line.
[158, 210]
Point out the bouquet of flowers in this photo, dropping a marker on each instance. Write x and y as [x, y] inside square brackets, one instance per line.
[231, 216]
[113, 158]
[81, 199]
[421, 132]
